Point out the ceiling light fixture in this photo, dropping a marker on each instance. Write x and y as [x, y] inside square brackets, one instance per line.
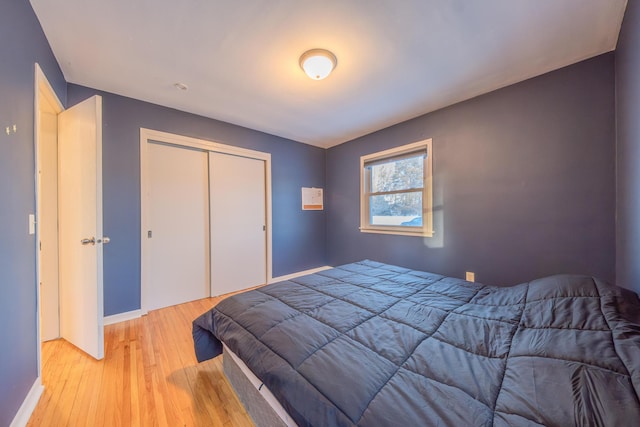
[181, 86]
[318, 63]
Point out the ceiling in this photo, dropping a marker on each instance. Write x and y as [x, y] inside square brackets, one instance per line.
[396, 59]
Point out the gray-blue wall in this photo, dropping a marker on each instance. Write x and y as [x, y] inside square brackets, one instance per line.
[628, 150]
[22, 43]
[298, 237]
[523, 182]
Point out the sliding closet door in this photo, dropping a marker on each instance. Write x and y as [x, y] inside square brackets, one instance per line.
[238, 219]
[178, 225]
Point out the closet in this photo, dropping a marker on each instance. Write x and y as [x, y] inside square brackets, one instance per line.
[205, 219]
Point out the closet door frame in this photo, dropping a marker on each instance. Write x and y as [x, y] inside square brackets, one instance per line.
[149, 135]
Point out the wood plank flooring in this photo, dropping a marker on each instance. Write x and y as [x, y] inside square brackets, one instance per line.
[149, 377]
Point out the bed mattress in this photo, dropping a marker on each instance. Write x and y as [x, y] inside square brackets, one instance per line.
[373, 344]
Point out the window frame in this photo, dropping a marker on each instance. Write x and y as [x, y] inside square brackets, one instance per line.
[426, 230]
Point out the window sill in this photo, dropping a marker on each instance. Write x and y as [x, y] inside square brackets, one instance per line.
[399, 232]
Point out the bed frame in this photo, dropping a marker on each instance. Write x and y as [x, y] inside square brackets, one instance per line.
[257, 399]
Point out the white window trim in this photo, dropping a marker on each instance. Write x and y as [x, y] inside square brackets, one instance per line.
[427, 195]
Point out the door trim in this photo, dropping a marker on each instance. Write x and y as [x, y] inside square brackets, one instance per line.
[148, 135]
[41, 86]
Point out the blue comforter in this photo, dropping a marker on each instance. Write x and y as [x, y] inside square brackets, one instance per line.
[372, 344]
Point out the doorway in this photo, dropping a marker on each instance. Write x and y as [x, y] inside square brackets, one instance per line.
[250, 193]
[48, 106]
[68, 186]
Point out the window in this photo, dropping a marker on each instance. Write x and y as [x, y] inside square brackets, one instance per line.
[396, 195]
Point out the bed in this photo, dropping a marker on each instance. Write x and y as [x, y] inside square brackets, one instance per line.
[373, 344]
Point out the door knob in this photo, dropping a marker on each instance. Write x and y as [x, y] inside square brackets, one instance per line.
[91, 241]
[105, 240]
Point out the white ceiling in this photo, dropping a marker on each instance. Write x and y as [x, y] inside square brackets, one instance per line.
[396, 59]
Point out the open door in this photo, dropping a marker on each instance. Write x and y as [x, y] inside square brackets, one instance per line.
[80, 226]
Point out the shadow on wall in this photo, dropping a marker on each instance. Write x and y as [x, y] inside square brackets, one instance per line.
[437, 240]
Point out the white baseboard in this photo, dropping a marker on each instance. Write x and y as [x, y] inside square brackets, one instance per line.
[122, 317]
[298, 274]
[28, 405]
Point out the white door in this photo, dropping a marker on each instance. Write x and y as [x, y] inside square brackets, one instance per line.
[80, 225]
[238, 222]
[48, 220]
[178, 226]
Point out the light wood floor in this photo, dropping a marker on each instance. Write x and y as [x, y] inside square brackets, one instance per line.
[149, 377]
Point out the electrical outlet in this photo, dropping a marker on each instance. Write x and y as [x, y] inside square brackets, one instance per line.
[471, 276]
